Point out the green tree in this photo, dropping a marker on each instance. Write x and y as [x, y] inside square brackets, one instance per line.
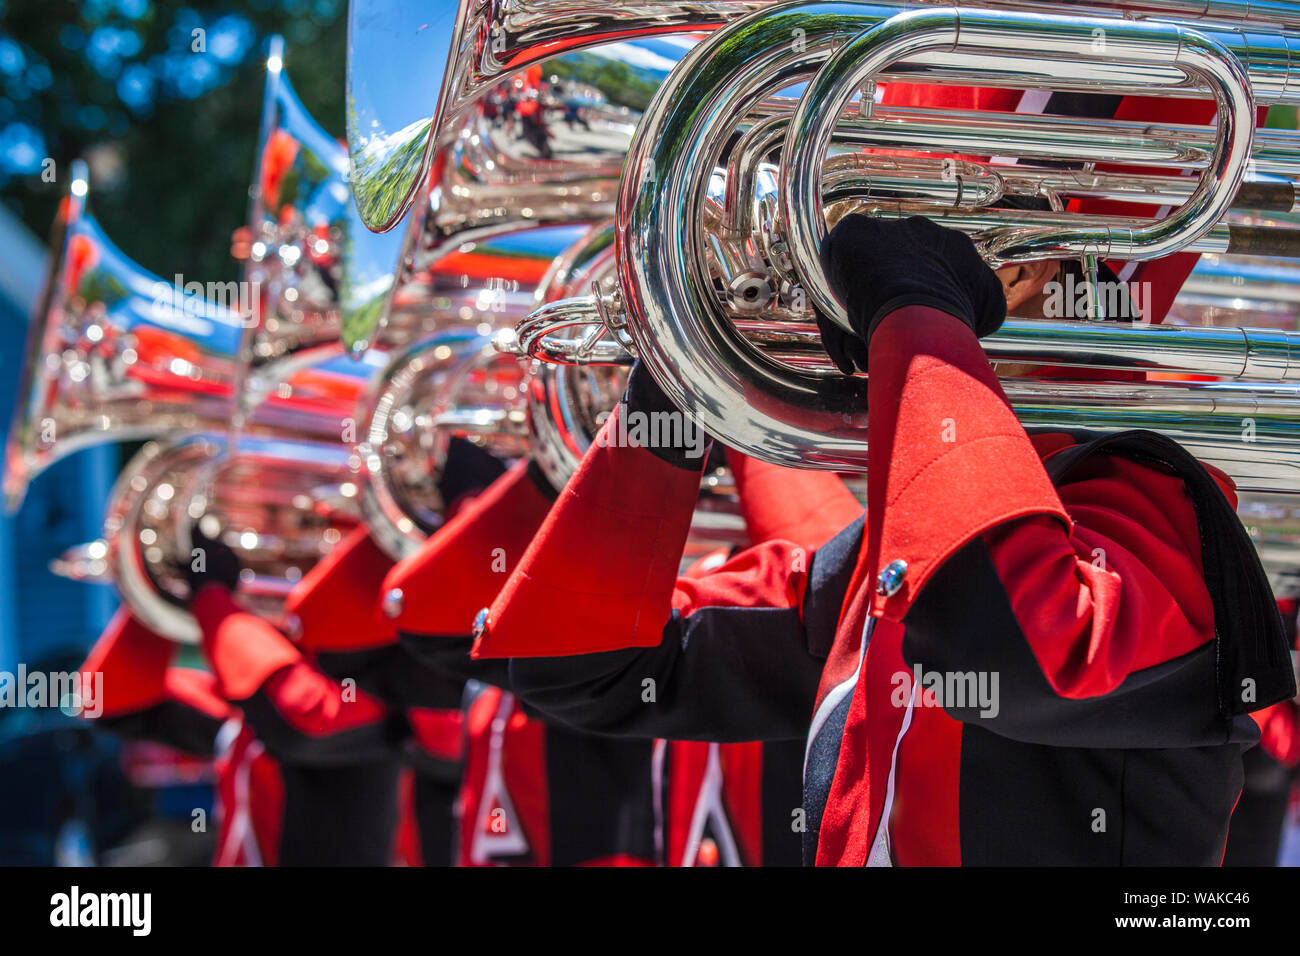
[163, 98]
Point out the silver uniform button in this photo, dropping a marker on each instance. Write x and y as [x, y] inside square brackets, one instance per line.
[393, 602]
[891, 578]
[480, 623]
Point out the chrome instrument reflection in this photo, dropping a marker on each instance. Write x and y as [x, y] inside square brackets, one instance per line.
[544, 146]
[450, 385]
[299, 202]
[281, 498]
[281, 505]
[568, 404]
[717, 249]
[414, 68]
[451, 382]
[115, 353]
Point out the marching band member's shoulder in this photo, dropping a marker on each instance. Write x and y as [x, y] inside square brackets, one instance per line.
[431, 598]
[143, 695]
[301, 714]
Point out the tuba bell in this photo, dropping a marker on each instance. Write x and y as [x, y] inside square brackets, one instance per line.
[115, 353]
[281, 498]
[721, 213]
[452, 383]
[542, 146]
[291, 246]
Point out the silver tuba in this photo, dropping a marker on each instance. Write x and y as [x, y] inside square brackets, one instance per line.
[115, 353]
[299, 202]
[533, 137]
[281, 499]
[721, 212]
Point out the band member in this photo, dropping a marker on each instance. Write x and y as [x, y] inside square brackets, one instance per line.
[532, 794]
[1033, 649]
[739, 803]
[540, 793]
[147, 697]
[333, 607]
[341, 707]
[338, 747]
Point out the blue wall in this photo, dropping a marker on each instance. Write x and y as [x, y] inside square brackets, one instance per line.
[40, 612]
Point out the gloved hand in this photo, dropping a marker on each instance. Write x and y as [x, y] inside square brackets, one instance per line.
[643, 394]
[467, 469]
[644, 398]
[876, 266]
[216, 564]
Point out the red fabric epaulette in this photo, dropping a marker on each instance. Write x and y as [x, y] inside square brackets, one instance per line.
[791, 504]
[133, 661]
[244, 650]
[941, 430]
[613, 508]
[458, 571]
[334, 603]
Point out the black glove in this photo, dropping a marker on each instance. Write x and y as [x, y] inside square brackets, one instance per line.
[644, 397]
[216, 564]
[467, 468]
[876, 266]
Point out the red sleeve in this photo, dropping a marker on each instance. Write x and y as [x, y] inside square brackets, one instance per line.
[244, 650]
[733, 661]
[300, 714]
[741, 648]
[196, 689]
[130, 662]
[462, 566]
[1122, 593]
[333, 604]
[942, 434]
[1103, 579]
[792, 504]
[599, 574]
[130, 688]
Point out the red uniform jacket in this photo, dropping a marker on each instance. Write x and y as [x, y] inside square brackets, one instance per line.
[334, 610]
[737, 804]
[337, 746]
[147, 698]
[532, 793]
[539, 793]
[1087, 708]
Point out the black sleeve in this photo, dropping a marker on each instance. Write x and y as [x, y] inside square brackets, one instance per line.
[723, 672]
[399, 676]
[448, 657]
[171, 722]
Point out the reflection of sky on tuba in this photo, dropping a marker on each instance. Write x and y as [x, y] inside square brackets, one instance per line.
[545, 145]
[299, 201]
